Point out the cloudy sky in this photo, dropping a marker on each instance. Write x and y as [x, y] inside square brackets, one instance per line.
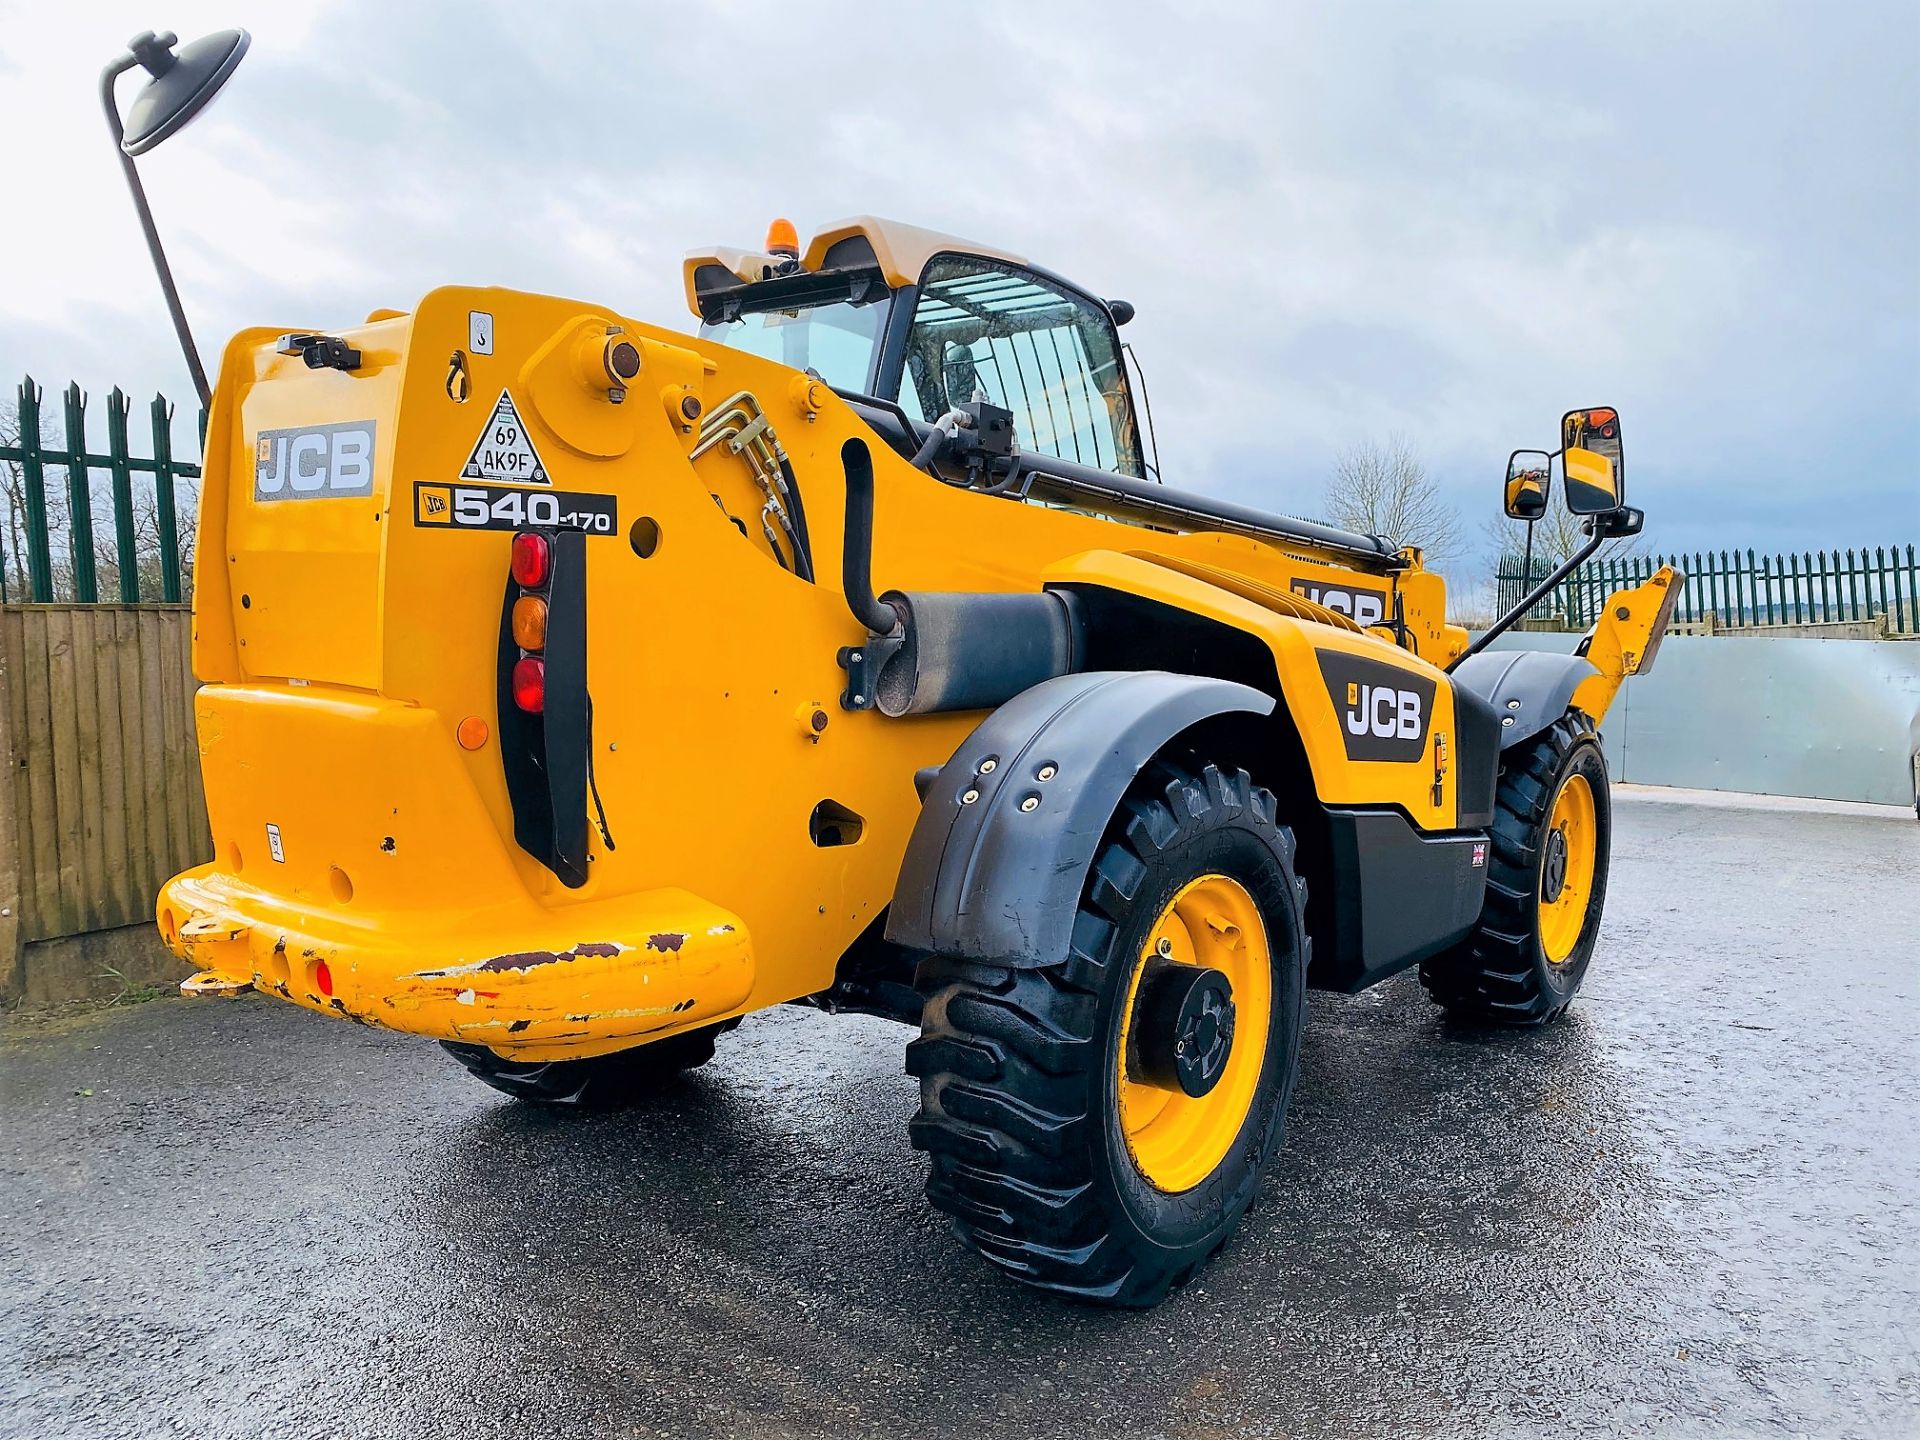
[1338, 220]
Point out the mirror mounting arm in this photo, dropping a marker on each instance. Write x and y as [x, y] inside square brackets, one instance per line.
[108, 76]
[1597, 535]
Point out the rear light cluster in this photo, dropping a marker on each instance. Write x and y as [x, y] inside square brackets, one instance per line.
[532, 570]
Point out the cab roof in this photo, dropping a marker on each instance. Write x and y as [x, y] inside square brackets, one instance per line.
[900, 252]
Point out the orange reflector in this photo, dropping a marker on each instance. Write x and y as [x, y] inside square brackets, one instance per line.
[783, 239]
[530, 622]
[472, 733]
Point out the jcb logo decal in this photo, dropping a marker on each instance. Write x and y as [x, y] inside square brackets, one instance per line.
[1359, 604]
[1385, 711]
[314, 462]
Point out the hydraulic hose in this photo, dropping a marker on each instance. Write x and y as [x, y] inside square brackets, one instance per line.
[943, 428]
[803, 541]
[856, 558]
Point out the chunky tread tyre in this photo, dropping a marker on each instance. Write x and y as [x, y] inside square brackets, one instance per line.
[1500, 974]
[1017, 1113]
[599, 1082]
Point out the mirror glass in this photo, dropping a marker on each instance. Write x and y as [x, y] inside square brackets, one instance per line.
[1591, 460]
[1529, 482]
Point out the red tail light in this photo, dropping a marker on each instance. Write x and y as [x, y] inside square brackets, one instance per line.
[530, 684]
[532, 559]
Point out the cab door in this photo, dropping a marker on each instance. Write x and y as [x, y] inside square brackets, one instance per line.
[1030, 344]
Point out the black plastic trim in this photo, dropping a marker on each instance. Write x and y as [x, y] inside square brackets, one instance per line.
[545, 757]
[1529, 688]
[1397, 896]
[999, 876]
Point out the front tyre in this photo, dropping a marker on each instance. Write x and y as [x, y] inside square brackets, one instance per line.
[1546, 886]
[1098, 1126]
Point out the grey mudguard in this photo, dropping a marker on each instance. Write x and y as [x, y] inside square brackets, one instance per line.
[1541, 681]
[999, 877]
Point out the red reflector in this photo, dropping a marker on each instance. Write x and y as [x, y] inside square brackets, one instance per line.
[530, 684]
[532, 558]
[323, 977]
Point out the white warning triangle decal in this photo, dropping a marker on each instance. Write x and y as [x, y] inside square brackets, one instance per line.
[504, 450]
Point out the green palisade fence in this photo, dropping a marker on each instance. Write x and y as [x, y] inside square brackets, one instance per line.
[1821, 587]
[145, 514]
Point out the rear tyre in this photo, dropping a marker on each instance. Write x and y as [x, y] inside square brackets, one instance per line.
[601, 1082]
[1546, 884]
[1057, 1104]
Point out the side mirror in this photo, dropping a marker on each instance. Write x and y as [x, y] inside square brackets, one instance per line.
[1591, 460]
[959, 373]
[1529, 482]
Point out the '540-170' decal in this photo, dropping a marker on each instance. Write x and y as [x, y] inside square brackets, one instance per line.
[501, 507]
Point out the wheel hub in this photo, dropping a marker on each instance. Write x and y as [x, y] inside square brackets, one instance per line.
[1553, 871]
[1183, 1027]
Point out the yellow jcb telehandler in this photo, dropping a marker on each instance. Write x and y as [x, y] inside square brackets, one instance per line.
[575, 687]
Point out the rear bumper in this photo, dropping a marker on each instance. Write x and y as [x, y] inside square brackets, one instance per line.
[627, 970]
[361, 871]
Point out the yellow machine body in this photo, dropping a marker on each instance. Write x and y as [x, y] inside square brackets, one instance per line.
[364, 855]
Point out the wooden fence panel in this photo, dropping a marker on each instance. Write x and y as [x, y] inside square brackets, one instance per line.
[106, 801]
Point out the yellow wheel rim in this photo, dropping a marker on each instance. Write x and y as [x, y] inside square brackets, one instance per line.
[1177, 1140]
[1571, 843]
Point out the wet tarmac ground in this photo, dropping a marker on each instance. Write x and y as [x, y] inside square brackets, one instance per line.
[1691, 1208]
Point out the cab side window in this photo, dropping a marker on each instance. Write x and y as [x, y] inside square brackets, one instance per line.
[1046, 354]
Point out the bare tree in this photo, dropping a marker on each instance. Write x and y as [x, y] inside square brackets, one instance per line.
[1383, 488]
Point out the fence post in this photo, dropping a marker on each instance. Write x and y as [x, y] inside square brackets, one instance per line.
[33, 470]
[123, 542]
[86, 589]
[12, 975]
[1853, 587]
[167, 522]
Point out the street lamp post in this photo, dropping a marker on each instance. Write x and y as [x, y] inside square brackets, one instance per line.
[180, 86]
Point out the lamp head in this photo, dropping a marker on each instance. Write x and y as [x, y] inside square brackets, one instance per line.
[182, 82]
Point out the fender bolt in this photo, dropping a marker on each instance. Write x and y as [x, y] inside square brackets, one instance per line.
[969, 797]
[1164, 949]
[989, 765]
[1047, 772]
[1032, 802]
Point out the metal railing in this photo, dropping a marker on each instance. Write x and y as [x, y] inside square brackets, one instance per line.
[150, 553]
[1738, 591]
